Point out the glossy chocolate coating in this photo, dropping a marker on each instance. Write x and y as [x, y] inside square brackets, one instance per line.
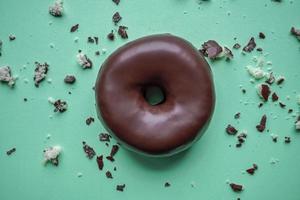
[170, 63]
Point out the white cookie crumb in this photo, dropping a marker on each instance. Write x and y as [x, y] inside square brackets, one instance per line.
[5, 76]
[56, 9]
[83, 60]
[256, 72]
[51, 154]
[51, 100]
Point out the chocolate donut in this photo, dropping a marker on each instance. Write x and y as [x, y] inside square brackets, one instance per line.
[183, 75]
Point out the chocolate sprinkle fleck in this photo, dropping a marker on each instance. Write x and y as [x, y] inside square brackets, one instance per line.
[74, 28]
[40, 73]
[111, 36]
[260, 105]
[236, 187]
[259, 49]
[89, 120]
[287, 139]
[261, 127]
[167, 184]
[120, 187]
[236, 46]
[271, 79]
[89, 151]
[104, 137]
[274, 97]
[237, 115]
[250, 46]
[265, 91]
[116, 2]
[250, 171]
[100, 162]
[70, 79]
[108, 174]
[11, 37]
[9, 152]
[60, 106]
[116, 17]
[280, 80]
[295, 32]
[211, 49]
[261, 35]
[282, 105]
[231, 130]
[122, 32]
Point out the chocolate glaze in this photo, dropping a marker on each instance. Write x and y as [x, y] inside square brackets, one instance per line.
[183, 74]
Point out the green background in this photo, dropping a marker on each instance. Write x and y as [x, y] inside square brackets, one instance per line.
[208, 164]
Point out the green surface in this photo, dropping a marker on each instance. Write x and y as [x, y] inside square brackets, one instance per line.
[208, 164]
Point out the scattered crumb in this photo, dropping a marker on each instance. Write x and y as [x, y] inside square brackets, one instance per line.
[256, 72]
[89, 120]
[116, 17]
[167, 184]
[40, 73]
[287, 140]
[116, 2]
[120, 187]
[11, 37]
[51, 155]
[297, 124]
[104, 137]
[111, 36]
[263, 91]
[261, 35]
[211, 49]
[79, 174]
[122, 31]
[84, 61]
[89, 151]
[56, 9]
[1, 44]
[108, 175]
[295, 32]
[236, 46]
[262, 125]
[60, 106]
[237, 115]
[6, 76]
[250, 46]
[274, 97]
[231, 130]
[280, 80]
[236, 187]
[274, 137]
[70, 79]
[11, 151]
[100, 162]
[74, 28]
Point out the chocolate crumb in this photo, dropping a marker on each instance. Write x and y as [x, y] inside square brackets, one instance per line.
[244, 91]
[111, 36]
[97, 53]
[261, 127]
[89, 151]
[211, 49]
[236, 46]
[116, 17]
[120, 187]
[250, 171]
[115, 168]
[250, 46]
[260, 105]
[104, 137]
[295, 32]
[96, 40]
[90, 40]
[231, 130]
[280, 80]
[84, 61]
[237, 115]
[274, 97]
[264, 91]
[282, 105]
[122, 32]
[60, 106]
[74, 28]
[238, 145]
[89, 120]
[56, 9]
[287, 140]
[11, 37]
[100, 162]
[271, 79]
[114, 150]
[261, 35]
[40, 73]
[255, 166]
[290, 110]
[70, 79]
[259, 49]
[108, 174]
[116, 2]
[274, 138]
[236, 187]
[11, 151]
[167, 184]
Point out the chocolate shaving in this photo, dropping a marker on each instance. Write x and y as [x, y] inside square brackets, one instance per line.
[89, 151]
[120, 187]
[40, 73]
[104, 137]
[74, 28]
[211, 49]
[274, 97]
[261, 127]
[122, 32]
[261, 35]
[70, 79]
[287, 140]
[250, 46]
[108, 174]
[89, 120]
[96, 40]
[231, 130]
[280, 80]
[264, 91]
[116, 17]
[236, 46]
[100, 162]
[236, 187]
[11, 151]
[167, 184]
[60, 106]
[111, 36]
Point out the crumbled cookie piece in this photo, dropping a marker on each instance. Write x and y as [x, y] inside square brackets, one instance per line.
[89, 120]
[104, 137]
[70, 79]
[274, 97]
[122, 31]
[56, 9]
[11, 151]
[116, 2]
[236, 187]
[261, 35]
[40, 73]
[84, 61]
[74, 28]
[11, 37]
[111, 36]
[211, 49]
[116, 17]
[230, 130]
[60, 106]
[262, 125]
[120, 187]
[89, 151]
[250, 46]
[264, 91]
[271, 79]
[51, 155]
[295, 32]
[6, 76]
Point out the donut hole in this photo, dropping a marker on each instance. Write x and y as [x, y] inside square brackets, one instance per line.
[154, 95]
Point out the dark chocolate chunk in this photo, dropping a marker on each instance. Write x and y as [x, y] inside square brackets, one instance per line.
[265, 91]
[236, 46]
[74, 28]
[11, 37]
[295, 32]
[261, 127]
[250, 46]
[111, 36]
[104, 137]
[122, 31]
[271, 79]
[280, 80]
[287, 140]
[25, 99]
[261, 35]
[282, 105]
[260, 105]
[211, 49]
[108, 174]
[97, 53]
[89, 151]
[231, 130]
[167, 184]
[237, 115]
[90, 40]
[236, 187]
[100, 162]
[250, 171]
[259, 49]
[120, 187]
[116, 17]
[110, 158]
[40, 73]
[70, 79]
[116, 2]
[290, 110]
[114, 150]
[60, 106]
[96, 40]
[11, 151]
[274, 97]
[89, 120]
